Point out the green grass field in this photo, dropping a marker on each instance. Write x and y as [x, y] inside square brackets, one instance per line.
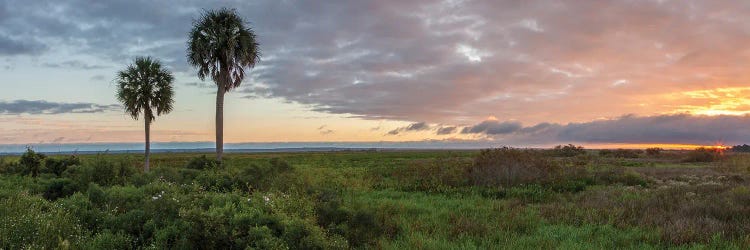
[503, 199]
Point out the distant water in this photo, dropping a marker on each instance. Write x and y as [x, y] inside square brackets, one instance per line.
[90, 148]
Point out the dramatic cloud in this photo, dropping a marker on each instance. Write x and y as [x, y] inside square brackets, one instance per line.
[419, 126]
[448, 62]
[561, 65]
[662, 129]
[44, 107]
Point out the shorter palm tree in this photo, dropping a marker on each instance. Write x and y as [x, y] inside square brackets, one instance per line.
[145, 87]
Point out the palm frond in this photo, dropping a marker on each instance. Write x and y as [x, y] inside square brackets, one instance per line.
[221, 46]
[145, 88]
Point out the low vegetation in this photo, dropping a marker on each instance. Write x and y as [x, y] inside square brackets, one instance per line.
[504, 197]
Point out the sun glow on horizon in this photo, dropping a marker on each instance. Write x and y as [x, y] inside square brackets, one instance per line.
[713, 102]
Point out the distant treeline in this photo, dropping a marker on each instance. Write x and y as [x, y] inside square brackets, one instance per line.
[741, 148]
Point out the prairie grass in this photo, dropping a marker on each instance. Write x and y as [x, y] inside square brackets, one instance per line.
[492, 199]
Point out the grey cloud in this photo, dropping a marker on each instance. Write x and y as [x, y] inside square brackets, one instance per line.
[446, 130]
[11, 47]
[492, 127]
[418, 126]
[45, 107]
[99, 78]
[203, 85]
[73, 64]
[323, 129]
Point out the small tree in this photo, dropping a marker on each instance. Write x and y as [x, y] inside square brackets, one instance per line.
[32, 162]
[145, 87]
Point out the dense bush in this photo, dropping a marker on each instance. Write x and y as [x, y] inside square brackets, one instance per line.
[202, 162]
[433, 175]
[509, 167]
[31, 162]
[59, 188]
[621, 153]
[569, 150]
[101, 171]
[58, 165]
[359, 225]
[703, 154]
[654, 151]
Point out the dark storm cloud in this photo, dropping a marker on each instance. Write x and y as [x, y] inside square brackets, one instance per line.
[444, 62]
[44, 107]
[678, 129]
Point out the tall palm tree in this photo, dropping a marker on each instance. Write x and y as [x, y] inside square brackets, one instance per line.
[222, 45]
[145, 87]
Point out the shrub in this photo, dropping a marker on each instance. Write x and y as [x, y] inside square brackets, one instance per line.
[360, 225]
[59, 188]
[202, 162]
[12, 168]
[621, 153]
[655, 151]
[569, 150]
[109, 240]
[58, 166]
[703, 154]
[433, 176]
[508, 167]
[101, 171]
[31, 162]
[627, 153]
[262, 177]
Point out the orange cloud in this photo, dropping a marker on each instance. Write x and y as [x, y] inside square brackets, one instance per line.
[718, 101]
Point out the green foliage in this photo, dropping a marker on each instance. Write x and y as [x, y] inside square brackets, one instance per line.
[360, 225]
[508, 167]
[202, 162]
[625, 153]
[145, 87]
[383, 200]
[59, 188]
[101, 171]
[31, 162]
[433, 175]
[703, 154]
[109, 240]
[569, 150]
[221, 37]
[58, 165]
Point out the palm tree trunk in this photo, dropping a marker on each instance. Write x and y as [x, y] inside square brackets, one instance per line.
[148, 144]
[220, 122]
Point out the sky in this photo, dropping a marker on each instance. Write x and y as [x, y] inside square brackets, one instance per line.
[510, 72]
